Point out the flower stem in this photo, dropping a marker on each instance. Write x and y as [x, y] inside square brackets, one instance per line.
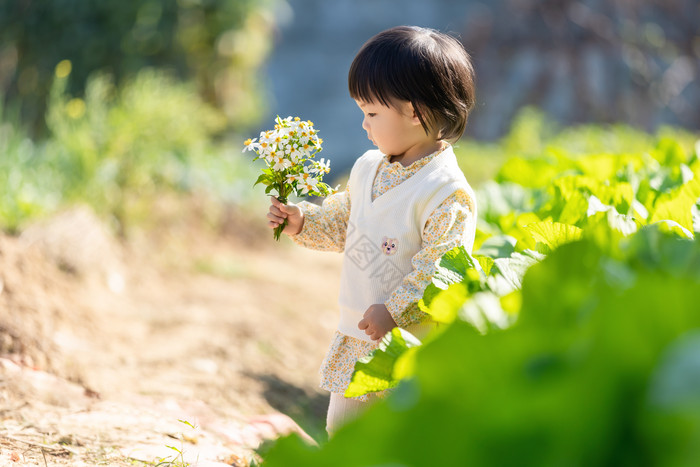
[282, 198]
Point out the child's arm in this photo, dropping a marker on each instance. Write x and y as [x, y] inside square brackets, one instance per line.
[317, 227]
[444, 230]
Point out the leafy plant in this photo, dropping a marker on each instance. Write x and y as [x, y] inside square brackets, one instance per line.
[178, 459]
[117, 150]
[29, 189]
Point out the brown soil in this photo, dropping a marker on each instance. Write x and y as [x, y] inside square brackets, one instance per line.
[107, 346]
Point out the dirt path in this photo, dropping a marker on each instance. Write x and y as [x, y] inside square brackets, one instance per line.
[223, 332]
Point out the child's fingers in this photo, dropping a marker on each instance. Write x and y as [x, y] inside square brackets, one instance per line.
[284, 208]
[274, 210]
[276, 220]
[363, 324]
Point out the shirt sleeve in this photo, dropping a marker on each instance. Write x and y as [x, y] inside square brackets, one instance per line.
[325, 227]
[443, 231]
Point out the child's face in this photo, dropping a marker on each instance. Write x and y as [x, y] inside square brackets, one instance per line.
[395, 130]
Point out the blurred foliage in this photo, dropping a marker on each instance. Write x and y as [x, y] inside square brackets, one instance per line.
[533, 135]
[118, 149]
[28, 189]
[601, 369]
[217, 44]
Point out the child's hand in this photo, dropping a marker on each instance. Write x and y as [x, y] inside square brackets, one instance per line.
[279, 212]
[376, 321]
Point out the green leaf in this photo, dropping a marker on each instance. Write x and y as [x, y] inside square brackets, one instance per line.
[264, 178]
[507, 274]
[574, 209]
[499, 246]
[485, 262]
[187, 423]
[512, 302]
[452, 267]
[669, 152]
[484, 311]
[554, 234]
[601, 166]
[678, 205]
[673, 227]
[445, 304]
[375, 372]
[431, 291]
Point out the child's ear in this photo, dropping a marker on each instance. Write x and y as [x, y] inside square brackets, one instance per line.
[414, 115]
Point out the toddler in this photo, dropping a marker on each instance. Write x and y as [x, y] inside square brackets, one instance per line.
[405, 204]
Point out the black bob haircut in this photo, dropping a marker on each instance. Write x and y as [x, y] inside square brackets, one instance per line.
[429, 69]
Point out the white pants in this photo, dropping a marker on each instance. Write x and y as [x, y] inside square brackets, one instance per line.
[341, 410]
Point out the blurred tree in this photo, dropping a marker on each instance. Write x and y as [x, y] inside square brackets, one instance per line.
[219, 44]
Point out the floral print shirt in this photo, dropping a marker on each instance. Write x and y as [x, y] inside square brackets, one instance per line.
[325, 229]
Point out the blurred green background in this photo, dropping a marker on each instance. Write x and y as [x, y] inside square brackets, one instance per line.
[112, 102]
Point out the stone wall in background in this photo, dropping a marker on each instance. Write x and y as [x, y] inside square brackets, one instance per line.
[580, 61]
[589, 60]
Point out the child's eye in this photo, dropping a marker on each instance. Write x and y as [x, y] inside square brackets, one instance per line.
[371, 114]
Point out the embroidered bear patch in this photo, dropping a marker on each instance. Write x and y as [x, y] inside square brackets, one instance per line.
[389, 246]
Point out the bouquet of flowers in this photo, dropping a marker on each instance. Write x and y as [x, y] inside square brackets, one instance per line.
[288, 151]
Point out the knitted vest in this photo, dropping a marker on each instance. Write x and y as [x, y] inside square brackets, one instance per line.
[383, 235]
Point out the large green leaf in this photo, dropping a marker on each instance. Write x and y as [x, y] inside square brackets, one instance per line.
[376, 372]
[499, 246]
[678, 205]
[452, 267]
[444, 306]
[507, 273]
[554, 234]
